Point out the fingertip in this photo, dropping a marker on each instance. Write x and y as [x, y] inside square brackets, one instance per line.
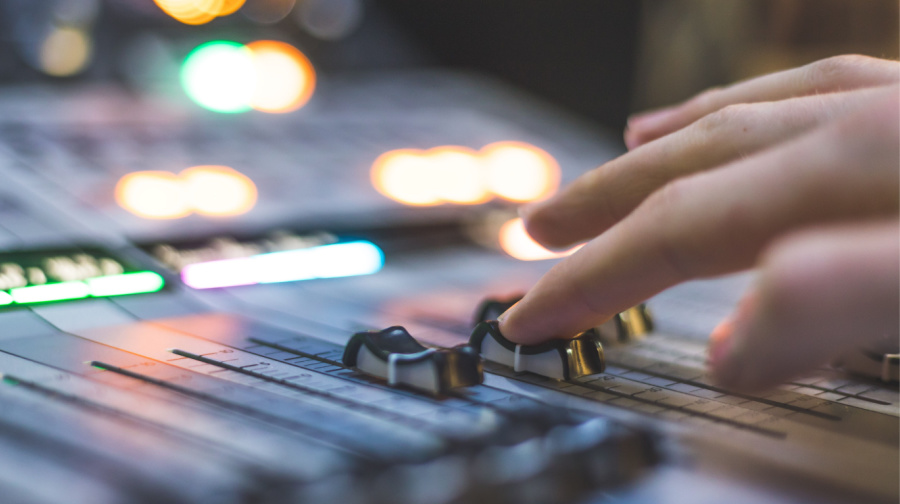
[729, 365]
[723, 367]
[631, 138]
[770, 340]
[719, 341]
[511, 329]
[546, 312]
[643, 125]
[547, 224]
[650, 119]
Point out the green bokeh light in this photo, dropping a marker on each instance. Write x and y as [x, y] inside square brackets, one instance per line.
[219, 76]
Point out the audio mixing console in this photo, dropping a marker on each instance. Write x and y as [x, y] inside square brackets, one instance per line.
[202, 359]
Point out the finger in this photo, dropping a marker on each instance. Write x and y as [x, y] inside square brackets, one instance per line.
[718, 221]
[821, 293]
[605, 195]
[839, 73]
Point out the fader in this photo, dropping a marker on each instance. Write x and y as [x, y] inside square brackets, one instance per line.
[394, 355]
[559, 359]
[627, 326]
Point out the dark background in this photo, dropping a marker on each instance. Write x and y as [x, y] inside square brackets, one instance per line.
[580, 54]
[598, 59]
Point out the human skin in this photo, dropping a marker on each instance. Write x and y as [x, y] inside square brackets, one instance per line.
[794, 173]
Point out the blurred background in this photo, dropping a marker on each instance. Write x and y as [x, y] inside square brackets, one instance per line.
[598, 60]
[689, 45]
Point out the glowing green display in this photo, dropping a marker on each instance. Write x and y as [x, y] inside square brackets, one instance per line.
[220, 76]
[141, 282]
[50, 292]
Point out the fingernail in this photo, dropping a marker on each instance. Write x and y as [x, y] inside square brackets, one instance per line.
[501, 323]
[510, 326]
[720, 342]
[725, 361]
[746, 306]
[505, 314]
[631, 139]
[650, 119]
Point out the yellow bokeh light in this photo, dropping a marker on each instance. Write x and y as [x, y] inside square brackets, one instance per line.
[406, 175]
[514, 171]
[520, 172]
[66, 51]
[153, 195]
[192, 12]
[285, 78]
[197, 12]
[218, 191]
[515, 241]
[230, 7]
[458, 175]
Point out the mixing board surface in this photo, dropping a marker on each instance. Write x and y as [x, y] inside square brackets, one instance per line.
[239, 393]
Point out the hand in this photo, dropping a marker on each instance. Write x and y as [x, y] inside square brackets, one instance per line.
[767, 172]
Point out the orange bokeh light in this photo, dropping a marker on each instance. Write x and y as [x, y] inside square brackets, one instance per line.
[406, 176]
[153, 195]
[230, 7]
[515, 241]
[216, 191]
[457, 174]
[520, 172]
[285, 78]
[197, 12]
[513, 171]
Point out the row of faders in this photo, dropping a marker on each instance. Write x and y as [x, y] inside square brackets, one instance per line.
[394, 355]
[568, 453]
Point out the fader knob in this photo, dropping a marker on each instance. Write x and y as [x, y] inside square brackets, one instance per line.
[871, 363]
[492, 308]
[394, 355]
[558, 359]
[629, 325]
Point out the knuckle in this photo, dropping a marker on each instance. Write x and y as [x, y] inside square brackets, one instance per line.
[829, 69]
[786, 272]
[776, 285]
[614, 204]
[871, 134]
[662, 201]
[707, 99]
[728, 117]
[668, 196]
[602, 184]
[664, 206]
[691, 240]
